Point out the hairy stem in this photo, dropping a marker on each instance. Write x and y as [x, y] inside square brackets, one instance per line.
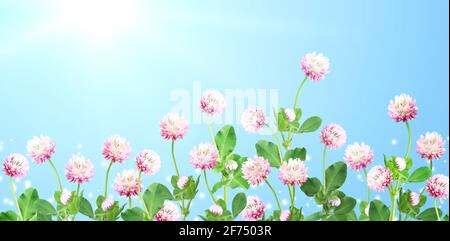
[207, 186]
[141, 197]
[13, 189]
[368, 188]
[394, 201]
[211, 133]
[290, 194]
[436, 209]
[106, 179]
[293, 196]
[277, 140]
[225, 194]
[298, 91]
[324, 165]
[409, 140]
[57, 175]
[274, 194]
[174, 159]
[77, 194]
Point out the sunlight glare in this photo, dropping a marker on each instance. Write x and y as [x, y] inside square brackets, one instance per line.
[97, 20]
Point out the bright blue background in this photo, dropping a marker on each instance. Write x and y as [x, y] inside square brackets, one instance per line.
[79, 92]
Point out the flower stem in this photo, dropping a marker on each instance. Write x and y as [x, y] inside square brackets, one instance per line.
[57, 175]
[289, 139]
[207, 186]
[324, 165]
[431, 165]
[290, 193]
[298, 91]
[78, 189]
[211, 133]
[274, 194]
[409, 140]
[77, 198]
[277, 140]
[293, 196]
[368, 188]
[394, 201]
[130, 202]
[140, 195]
[225, 194]
[106, 180]
[178, 175]
[13, 189]
[174, 160]
[436, 209]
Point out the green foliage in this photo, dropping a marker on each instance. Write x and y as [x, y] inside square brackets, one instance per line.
[134, 214]
[113, 214]
[189, 191]
[155, 196]
[27, 203]
[311, 187]
[299, 153]
[269, 151]
[239, 203]
[347, 206]
[284, 124]
[378, 211]
[335, 176]
[45, 208]
[421, 174]
[311, 124]
[225, 141]
[86, 208]
[8, 216]
[429, 214]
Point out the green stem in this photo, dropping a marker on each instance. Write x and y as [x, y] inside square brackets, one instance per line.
[324, 165]
[368, 188]
[57, 175]
[141, 197]
[15, 198]
[78, 189]
[409, 140]
[106, 180]
[277, 140]
[211, 133]
[130, 202]
[174, 160]
[285, 143]
[178, 174]
[225, 194]
[406, 217]
[76, 196]
[431, 165]
[290, 194]
[400, 193]
[394, 201]
[189, 204]
[207, 186]
[298, 91]
[295, 106]
[183, 208]
[274, 194]
[293, 197]
[436, 209]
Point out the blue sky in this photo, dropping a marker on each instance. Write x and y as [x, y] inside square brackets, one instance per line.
[80, 74]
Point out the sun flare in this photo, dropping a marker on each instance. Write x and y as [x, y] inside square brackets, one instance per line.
[97, 19]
